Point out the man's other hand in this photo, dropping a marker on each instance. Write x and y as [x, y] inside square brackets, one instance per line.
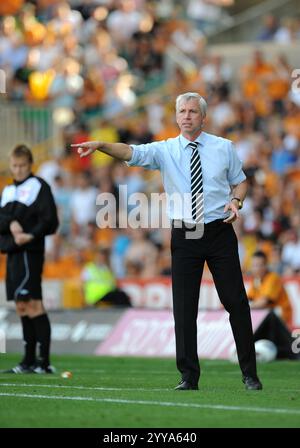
[234, 212]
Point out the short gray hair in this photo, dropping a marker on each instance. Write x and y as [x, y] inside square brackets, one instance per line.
[190, 95]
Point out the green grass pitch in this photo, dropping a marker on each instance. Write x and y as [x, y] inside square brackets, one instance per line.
[107, 392]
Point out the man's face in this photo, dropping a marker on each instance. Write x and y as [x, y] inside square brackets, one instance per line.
[20, 168]
[189, 117]
[259, 267]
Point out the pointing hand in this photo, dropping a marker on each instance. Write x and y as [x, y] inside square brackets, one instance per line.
[86, 148]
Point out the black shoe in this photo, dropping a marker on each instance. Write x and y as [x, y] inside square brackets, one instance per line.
[252, 383]
[19, 369]
[43, 369]
[185, 385]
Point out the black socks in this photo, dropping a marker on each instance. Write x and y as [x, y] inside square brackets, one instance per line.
[29, 339]
[42, 330]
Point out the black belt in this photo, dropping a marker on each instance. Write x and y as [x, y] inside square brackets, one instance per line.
[179, 223]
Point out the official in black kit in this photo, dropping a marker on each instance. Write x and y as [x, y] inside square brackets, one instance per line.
[27, 214]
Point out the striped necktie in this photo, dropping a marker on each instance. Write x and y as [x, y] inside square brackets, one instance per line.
[196, 185]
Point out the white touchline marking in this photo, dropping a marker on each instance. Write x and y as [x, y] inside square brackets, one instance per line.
[158, 403]
[91, 371]
[129, 389]
[42, 377]
[58, 386]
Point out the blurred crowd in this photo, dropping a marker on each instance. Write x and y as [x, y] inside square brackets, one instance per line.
[282, 31]
[98, 59]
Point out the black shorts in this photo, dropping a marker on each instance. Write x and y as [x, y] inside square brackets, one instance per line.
[24, 276]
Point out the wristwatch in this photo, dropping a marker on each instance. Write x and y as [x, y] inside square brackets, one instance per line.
[240, 202]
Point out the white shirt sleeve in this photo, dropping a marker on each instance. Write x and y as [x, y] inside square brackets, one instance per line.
[235, 171]
[148, 156]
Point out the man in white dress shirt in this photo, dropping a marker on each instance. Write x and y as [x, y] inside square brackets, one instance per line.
[206, 168]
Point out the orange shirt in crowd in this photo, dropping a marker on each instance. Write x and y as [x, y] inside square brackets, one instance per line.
[64, 267]
[291, 124]
[253, 78]
[278, 88]
[271, 287]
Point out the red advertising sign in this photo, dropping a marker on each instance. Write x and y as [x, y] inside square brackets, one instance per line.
[151, 333]
[156, 294]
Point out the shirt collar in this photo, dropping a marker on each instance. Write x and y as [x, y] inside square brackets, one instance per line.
[185, 142]
[19, 182]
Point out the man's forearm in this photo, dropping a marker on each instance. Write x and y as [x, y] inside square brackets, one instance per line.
[240, 191]
[118, 150]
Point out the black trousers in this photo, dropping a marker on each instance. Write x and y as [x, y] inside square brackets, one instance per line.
[218, 247]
